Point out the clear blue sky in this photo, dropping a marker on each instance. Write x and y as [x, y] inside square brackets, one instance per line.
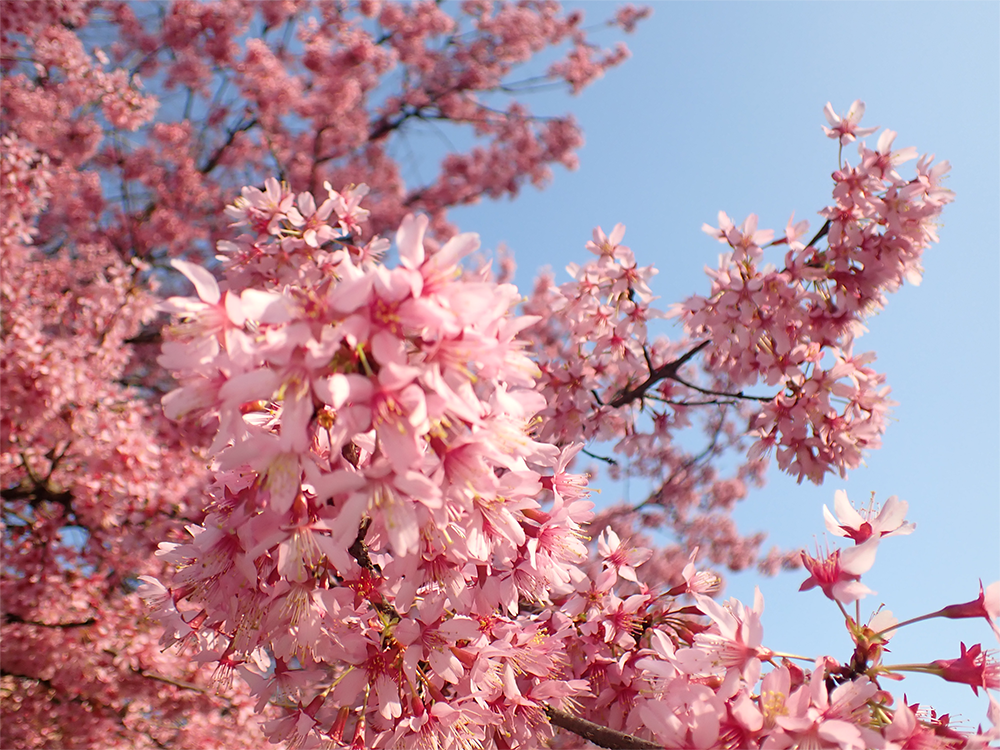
[720, 108]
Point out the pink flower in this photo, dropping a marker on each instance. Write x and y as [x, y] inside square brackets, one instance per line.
[296, 727]
[839, 572]
[846, 128]
[973, 667]
[906, 731]
[605, 245]
[622, 557]
[696, 581]
[570, 487]
[861, 526]
[746, 240]
[882, 161]
[311, 221]
[815, 716]
[987, 605]
[347, 204]
[261, 209]
[737, 645]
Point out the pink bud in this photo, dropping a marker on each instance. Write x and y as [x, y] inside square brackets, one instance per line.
[973, 668]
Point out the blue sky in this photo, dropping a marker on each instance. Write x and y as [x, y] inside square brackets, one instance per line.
[720, 107]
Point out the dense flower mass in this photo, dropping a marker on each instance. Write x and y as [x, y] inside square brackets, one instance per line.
[779, 326]
[359, 477]
[125, 130]
[394, 551]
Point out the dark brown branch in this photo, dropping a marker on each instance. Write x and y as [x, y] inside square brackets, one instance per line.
[656, 498]
[599, 735]
[668, 370]
[39, 493]
[359, 550]
[710, 392]
[170, 681]
[605, 459]
[215, 158]
[148, 335]
[18, 620]
[823, 231]
[710, 402]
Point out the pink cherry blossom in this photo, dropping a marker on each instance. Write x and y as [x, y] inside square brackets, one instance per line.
[986, 605]
[846, 128]
[621, 557]
[974, 667]
[367, 511]
[860, 527]
[838, 573]
[737, 645]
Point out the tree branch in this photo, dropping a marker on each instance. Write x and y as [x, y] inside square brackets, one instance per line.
[709, 392]
[170, 680]
[39, 493]
[214, 159]
[823, 231]
[668, 370]
[599, 735]
[10, 617]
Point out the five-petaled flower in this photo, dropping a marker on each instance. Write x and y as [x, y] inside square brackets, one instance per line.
[838, 573]
[846, 128]
[862, 526]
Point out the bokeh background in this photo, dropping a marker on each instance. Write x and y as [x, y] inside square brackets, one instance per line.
[720, 107]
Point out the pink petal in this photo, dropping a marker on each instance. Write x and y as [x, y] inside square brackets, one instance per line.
[845, 511]
[265, 307]
[892, 516]
[204, 282]
[249, 386]
[410, 240]
[457, 248]
[333, 390]
[860, 558]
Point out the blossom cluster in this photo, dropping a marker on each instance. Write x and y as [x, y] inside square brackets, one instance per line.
[394, 552]
[395, 548]
[378, 495]
[795, 327]
[126, 128]
[603, 372]
[788, 331]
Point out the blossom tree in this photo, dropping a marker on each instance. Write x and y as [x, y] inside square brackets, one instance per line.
[126, 129]
[394, 546]
[363, 474]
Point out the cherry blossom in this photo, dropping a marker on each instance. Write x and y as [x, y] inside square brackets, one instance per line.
[838, 573]
[846, 128]
[94, 475]
[850, 523]
[987, 605]
[348, 491]
[974, 667]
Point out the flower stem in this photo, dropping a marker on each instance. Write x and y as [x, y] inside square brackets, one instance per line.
[791, 656]
[923, 668]
[908, 622]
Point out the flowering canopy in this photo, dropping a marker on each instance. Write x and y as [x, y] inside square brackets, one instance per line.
[385, 542]
[125, 130]
[394, 551]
